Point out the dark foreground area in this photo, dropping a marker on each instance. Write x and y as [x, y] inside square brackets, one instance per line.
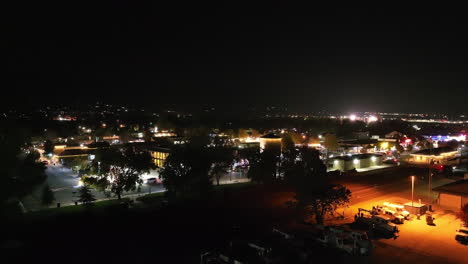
[161, 234]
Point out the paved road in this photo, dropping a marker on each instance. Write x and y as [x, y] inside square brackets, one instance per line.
[64, 183]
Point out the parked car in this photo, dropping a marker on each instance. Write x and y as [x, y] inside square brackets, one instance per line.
[390, 161]
[443, 170]
[153, 181]
[462, 235]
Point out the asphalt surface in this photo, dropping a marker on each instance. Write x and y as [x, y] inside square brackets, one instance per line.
[64, 183]
[417, 242]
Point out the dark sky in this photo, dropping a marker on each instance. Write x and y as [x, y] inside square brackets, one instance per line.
[306, 57]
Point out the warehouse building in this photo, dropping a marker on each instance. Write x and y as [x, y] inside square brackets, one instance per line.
[358, 161]
[454, 195]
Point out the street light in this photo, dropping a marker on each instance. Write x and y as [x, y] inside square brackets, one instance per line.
[412, 190]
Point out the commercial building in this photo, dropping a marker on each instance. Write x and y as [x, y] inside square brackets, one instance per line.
[159, 152]
[159, 155]
[271, 143]
[356, 146]
[438, 155]
[454, 195]
[358, 161]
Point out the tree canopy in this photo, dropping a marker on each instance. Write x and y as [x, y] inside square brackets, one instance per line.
[119, 170]
[186, 171]
[313, 191]
[20, 169]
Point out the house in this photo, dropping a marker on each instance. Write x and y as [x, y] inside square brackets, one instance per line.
[453, 196]
[438, 155]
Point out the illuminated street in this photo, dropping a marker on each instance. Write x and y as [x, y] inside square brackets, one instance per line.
[64, 183]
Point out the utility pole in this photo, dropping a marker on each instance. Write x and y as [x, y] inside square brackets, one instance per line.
[430, 185]
[412, 190]
[431, 162]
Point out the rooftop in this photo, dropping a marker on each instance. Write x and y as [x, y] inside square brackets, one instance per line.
[434, 151]
[458, 188]
[357, 156]
[270, 135]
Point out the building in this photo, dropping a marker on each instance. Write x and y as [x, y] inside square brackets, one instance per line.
[356, 146]
[159, 155]
[248, 145]
[358, 161]
[271, 143]
[454, 195]
[158, 151]
[62, 151]
[361, 134]
[438, 155]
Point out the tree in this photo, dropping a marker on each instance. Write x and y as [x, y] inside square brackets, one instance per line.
[296, 137]
[424, 144]
[409, 148]
[148, 136]
[76, 163]
[331, 144]
[463, 214]
[119, 170]
[242, 133]
[263, 168]
[186, 171]
[85, 195]
[288, 155]
[48, 147]
[47, 197]
[287, 141]
[453, 144]
[313, 191]
[399, 148]
[124, 135]
[218, 169]
[221, 160]
[20, 169]
[254, 133]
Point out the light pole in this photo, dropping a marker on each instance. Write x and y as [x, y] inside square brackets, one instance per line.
[431, 162]
[412, 190]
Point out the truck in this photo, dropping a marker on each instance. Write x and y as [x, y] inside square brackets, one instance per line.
[351, 242]
[377, 223]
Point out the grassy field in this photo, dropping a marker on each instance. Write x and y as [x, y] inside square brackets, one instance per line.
[75, 209]
[154, 199]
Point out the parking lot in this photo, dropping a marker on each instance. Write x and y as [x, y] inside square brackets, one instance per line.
[416, 239]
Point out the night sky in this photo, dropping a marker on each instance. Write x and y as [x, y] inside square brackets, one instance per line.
[306, 57]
